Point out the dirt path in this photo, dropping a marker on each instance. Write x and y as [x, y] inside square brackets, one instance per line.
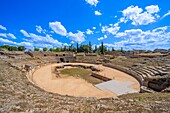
[72, 86]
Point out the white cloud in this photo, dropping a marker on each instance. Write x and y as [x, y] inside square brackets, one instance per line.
[6, 41]
[92, 2]
[144, 19]
[116, 24]
[152, 9]
[39, 29]
[26, 44]
[41, 40]
[167, 14]
[58, 28]
[24, 33]
[113, 30]
[97, 13]
[138, 17]
[105, 36]
[78, 37]
[139, 39]
[101, 38]
[89, 32]
[44, 39]
[94, 28]
[160, 29]
[11, 35]
[44, 45]
[72, 42]
[123, 20]
[120, 34]
[7, 35]
[3, 28]
[3, 35]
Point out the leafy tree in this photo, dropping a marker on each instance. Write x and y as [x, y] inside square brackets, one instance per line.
[21, 48]
[71, 47]
[84, 48]
[108, 50]
[98, 51]
[5, 47]
[65, 48]
[74, 49]
[102, 49]
[95, 49]
[51, 49]
[45, 49]
[61, 49]
[13, 48]
[58, 49]
[36, 49]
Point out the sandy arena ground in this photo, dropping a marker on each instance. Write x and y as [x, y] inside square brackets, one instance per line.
[78, 87]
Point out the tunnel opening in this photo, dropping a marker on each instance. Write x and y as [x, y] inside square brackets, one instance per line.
[62, 60]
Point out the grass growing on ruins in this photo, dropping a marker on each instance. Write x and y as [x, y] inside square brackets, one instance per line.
[82, 73]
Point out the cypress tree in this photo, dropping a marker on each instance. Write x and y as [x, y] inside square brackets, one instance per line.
[77, 48]
[102, 48]
[90, 47]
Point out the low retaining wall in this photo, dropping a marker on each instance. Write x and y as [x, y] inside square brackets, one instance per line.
[133, 74]
[30, 73]
[83, 66]
[96, 75]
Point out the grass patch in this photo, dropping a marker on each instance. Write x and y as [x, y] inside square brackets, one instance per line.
[82, 73]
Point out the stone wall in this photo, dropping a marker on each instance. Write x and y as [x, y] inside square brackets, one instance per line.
[101, 77]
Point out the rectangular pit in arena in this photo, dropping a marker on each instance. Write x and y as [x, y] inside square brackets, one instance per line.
[117, 87]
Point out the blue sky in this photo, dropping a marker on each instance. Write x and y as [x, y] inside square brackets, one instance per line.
[131, 24]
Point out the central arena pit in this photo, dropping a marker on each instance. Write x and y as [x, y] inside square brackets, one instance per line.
[48, 78]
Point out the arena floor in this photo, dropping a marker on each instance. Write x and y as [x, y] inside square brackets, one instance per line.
[72, 86]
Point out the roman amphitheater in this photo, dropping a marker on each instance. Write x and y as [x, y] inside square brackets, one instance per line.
[83, 79]
[120, 83]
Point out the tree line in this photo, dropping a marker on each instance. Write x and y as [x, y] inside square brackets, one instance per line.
[13, 48]
[86, 48]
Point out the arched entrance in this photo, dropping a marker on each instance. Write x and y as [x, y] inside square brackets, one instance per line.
[62, 60]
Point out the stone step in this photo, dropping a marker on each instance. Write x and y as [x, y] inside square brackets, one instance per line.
[143, 71]
[161, 73]
[153, 71]
[148, 71]
[140, 73]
